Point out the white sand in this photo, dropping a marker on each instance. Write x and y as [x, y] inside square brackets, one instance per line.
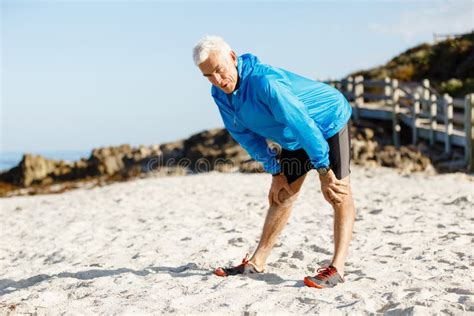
[149, 245]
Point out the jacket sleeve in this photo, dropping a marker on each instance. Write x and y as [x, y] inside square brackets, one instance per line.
[290, 111]
[255, 145]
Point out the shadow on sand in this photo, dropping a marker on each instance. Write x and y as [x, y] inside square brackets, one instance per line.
[191, 269]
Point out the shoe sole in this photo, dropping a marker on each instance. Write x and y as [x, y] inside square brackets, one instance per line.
[309, 283]
[220, 272]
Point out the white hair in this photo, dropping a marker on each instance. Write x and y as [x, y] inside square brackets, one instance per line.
[207, 44]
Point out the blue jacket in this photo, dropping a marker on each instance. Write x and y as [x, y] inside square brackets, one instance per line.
[273, 103]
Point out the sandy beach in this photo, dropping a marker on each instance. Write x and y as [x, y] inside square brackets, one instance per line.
[149, 246]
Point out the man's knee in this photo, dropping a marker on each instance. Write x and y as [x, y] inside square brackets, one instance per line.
[295, 187]
[286, 198]
[346, 204]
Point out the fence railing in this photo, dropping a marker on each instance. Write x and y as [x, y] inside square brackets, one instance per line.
[431, 116]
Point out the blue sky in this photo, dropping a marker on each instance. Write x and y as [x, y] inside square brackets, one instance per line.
[82, 74]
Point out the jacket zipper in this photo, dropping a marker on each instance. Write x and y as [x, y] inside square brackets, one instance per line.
[229, 97]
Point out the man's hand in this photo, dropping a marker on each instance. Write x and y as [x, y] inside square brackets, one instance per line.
[279, 183]
[333, 189]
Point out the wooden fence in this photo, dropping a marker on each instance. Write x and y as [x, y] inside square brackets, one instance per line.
[431, 116]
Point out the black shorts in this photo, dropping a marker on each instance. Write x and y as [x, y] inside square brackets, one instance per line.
[295, 163]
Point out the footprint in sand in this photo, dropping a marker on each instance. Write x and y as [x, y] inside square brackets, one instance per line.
[237, 241]
[460, 201]
[298, 254]
[459, 291]
[376, 211]
[316, 248]
[54, 258]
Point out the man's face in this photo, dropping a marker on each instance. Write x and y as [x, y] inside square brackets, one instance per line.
[221, 70]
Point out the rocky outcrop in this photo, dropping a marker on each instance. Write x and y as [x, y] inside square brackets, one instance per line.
[209, 150]
[367, 151]
[122, 160]
[449, 65]
[37, 169]
[213, 150]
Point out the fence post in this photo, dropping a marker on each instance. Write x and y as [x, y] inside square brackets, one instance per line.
[469, 131]
[416, 114]
[350, 87]
[426, 96]
[358, 95]
[395, 113]
[433, 122]
[448, 121]
[387, 90]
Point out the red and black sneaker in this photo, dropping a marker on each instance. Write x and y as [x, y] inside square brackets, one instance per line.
[327, 277]
[245, 267]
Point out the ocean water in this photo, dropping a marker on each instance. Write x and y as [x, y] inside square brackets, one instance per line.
[9, 160]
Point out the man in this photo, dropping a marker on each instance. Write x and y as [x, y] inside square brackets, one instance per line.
[309, 119]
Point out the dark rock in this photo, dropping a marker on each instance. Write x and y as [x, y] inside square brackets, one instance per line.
[210, 150]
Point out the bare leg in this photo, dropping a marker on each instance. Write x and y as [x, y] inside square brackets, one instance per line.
[277, 217]
[344, 216]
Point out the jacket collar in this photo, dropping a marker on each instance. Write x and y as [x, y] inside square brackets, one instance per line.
[245, 64]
